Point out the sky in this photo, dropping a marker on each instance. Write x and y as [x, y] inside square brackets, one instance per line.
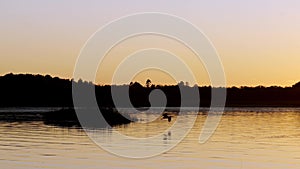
[258, 41]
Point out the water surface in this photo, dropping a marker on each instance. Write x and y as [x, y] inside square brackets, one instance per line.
[245, 138]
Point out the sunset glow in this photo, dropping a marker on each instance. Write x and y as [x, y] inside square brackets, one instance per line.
[257, 41]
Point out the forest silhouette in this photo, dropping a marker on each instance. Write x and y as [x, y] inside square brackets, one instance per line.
[27, 90]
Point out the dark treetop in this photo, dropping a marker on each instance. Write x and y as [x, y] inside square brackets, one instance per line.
[26, 90]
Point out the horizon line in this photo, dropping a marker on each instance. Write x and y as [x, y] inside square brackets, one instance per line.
[99, 84]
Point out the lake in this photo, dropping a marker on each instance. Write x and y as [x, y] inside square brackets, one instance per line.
[245, 138]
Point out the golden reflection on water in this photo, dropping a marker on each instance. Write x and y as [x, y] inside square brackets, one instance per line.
[249, 138]
[146, 130]
[242, 140]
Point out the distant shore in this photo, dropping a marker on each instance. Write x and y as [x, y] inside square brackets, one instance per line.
[67, 117]
[64, 117]
[26, 90]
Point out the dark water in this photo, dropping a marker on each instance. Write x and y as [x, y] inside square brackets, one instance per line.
[245, 138]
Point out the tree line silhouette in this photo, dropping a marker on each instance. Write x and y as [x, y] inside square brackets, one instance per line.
[27, 90]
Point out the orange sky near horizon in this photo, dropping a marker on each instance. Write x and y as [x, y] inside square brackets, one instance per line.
[258, 42]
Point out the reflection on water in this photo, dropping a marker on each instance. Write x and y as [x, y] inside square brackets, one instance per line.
[245, 138]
